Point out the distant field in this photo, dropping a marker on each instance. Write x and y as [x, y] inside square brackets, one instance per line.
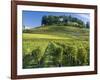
[42, 36]
[54, 46]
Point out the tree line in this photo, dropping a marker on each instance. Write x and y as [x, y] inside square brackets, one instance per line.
[63, 21]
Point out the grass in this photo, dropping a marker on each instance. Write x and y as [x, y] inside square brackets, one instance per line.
[39, 43]
[42, 36]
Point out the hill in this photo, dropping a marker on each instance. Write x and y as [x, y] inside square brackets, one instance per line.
[55, 46]
[60, 31]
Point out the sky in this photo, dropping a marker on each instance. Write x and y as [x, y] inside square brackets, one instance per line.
[33, 18]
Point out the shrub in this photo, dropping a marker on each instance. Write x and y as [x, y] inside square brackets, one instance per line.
[33, 59]
[82, 55]
[53, 55]
[58, 54]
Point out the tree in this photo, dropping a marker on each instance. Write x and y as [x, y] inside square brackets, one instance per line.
[62, 20]
[50, 20]
[87, 25]
[44, 20]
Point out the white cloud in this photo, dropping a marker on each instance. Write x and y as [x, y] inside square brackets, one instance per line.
[86, 16]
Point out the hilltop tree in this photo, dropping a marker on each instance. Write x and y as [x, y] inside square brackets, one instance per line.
[44, 20]
[62, 20]
[87, 25]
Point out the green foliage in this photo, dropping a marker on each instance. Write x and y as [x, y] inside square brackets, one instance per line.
[37, 54]
[33, 59]
[60, 31]
[56, 46]
[82, 55]
[87, 25]
[53, 55]
[62, 21]
[58, 54]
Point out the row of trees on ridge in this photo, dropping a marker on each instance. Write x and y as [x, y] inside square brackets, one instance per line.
[63, 21]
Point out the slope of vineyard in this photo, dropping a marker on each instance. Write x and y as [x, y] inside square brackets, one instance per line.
[55, 46]
[62, 31]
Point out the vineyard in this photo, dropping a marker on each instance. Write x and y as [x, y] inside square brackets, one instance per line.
[55, 46]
